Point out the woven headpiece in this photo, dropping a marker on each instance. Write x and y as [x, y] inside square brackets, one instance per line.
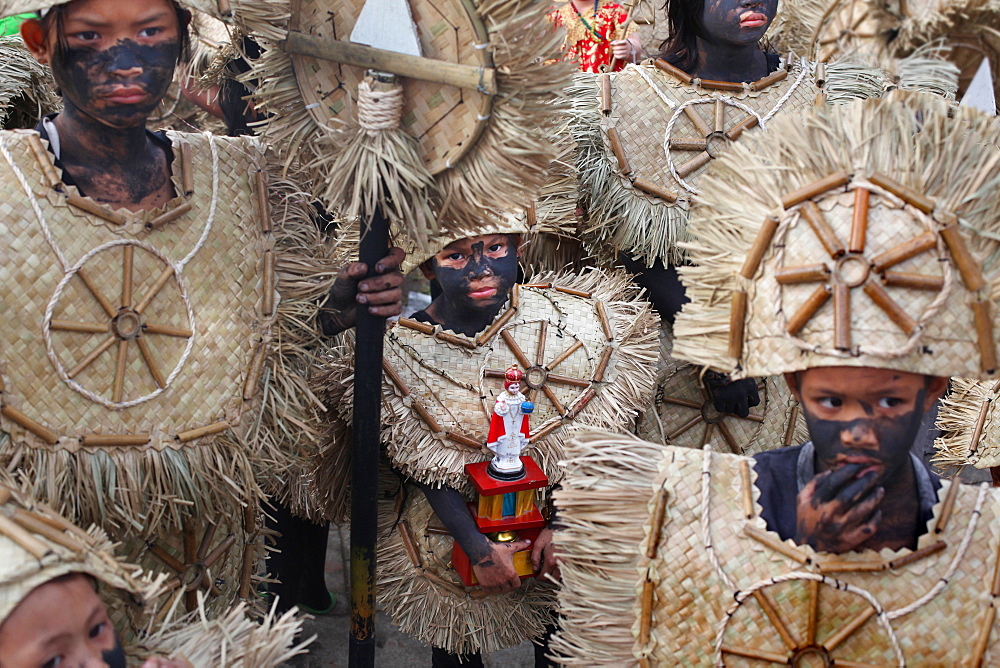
[26, 87]
[38, 545]
[858, 236]
[500, 223]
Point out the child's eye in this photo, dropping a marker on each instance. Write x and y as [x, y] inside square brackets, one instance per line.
[87, 36]
[98, 629]
[53, 662]
[150, 32]
[455, 257]
[495, 247]
[890, 402]
[830, 402]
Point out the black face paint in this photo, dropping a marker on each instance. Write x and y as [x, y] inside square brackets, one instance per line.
[458, 307]
[721, 20]
[895, 436]
[115, 658]
[89, 78]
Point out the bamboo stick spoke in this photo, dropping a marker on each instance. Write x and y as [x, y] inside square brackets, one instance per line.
[154, 290]
[821, 228]
[737, 130]
[706, 436]
[842, 317]
[554, 399]
[698, 120]
[891, 308]
[808, 310]
[73, 326]
[168, 331]
[515, 348]
[688, 144]
[690, 424]
[694, 164]
[98, 295]
[753, 418]
[847, 630]
[802, 274]
[563, 356]
[206, 540]
[761, 655]
[119, 386]
[566, 380]
[94, 354]
[720, 115]
[220, 550]
[813, 613]
[727, 436]
[168, 559]
[859, 224]
[677, 401]
[147, 357]
[776, 621]
[904, 251]
[542, 335]
[190, 546]
[127, 276]
[902, 279]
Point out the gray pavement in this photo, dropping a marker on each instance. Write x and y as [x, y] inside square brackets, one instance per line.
[393, 648]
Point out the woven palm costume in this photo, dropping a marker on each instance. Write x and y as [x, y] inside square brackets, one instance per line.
[38, 545]
[153, 361]
[587, 347]
[862, 236]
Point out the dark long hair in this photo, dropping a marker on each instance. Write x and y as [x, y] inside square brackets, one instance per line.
[680, 48]
[55, 20]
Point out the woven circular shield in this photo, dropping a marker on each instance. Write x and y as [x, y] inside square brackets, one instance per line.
[684, 571]
[647, 134]
[425, 597]
[683, 413]
[480, 138]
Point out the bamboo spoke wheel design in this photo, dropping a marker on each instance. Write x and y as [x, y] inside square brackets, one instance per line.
[818, 622]
[541, 349]
[134, 326]
[699, 421]
[215, 558]
[711, 136]
[849, 267]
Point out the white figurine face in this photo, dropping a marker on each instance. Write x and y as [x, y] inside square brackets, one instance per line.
[514, 388]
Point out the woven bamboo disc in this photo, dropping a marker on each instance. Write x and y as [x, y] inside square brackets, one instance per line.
[895, 30]
[683, 413]
[641, 161]
[221, 560]
[586, 344]
[135, 360]
[678, 572]
[27, 91]
[425, 596]
[969, 426]
[484, 149]
[913, 294]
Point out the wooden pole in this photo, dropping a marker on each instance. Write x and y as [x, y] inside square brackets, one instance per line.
[365, 455]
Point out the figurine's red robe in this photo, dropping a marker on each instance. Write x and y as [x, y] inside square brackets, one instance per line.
[497, 429]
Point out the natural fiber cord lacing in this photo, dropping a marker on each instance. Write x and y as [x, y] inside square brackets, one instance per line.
[379, 110]
[70, 270]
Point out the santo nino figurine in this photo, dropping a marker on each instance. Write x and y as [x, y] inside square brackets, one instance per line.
[509, 428]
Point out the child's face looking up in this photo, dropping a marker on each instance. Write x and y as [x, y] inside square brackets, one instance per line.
[60, 624]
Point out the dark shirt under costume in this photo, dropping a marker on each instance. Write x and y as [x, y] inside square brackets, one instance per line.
[782, 473]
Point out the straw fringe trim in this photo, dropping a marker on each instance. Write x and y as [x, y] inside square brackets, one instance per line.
[967, 420]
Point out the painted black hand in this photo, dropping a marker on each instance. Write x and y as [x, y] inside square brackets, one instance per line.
[381, 293]
[839, 510]
[736, 397]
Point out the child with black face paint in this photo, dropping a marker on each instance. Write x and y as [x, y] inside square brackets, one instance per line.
[476, 275]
